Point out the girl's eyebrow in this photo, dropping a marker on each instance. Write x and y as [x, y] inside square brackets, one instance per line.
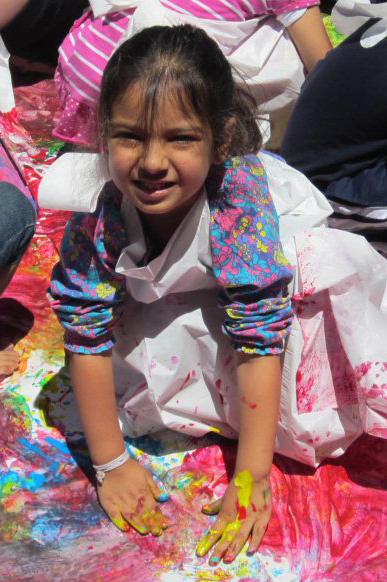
[125, 125]
[134, 127]
[185, 128]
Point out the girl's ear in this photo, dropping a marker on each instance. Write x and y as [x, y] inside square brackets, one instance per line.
[222, 150]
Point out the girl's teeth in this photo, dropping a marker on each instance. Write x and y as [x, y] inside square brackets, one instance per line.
[152, 187]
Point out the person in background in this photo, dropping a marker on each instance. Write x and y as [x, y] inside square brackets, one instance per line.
[17, 226]
[337, 133]
[32, 31]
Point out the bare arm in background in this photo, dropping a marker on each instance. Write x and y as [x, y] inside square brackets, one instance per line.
[310, 37]
[9, 9]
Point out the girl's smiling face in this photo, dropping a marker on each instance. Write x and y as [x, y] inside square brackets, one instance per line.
[161, 166]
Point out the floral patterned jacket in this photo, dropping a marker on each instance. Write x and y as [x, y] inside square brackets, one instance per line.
[247, 261]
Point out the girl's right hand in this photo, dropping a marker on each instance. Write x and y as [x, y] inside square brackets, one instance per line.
[128, 496]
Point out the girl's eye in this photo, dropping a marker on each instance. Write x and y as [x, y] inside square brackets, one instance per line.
[127, 136]
[183, 138]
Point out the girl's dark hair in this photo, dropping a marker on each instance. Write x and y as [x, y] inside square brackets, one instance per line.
[185, 61]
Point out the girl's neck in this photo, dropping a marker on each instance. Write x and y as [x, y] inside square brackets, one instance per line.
[158, 230]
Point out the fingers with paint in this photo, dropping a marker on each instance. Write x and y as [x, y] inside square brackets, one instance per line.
[129, 497]
[244, 512]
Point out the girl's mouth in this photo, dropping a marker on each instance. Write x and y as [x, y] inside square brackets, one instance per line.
[153, 187]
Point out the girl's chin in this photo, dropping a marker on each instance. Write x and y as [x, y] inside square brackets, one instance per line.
[149, 198]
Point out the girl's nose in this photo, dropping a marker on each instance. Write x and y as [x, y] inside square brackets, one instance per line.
[153, 159]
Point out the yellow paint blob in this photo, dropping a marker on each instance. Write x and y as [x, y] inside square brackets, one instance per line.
[231, 530]
[204, 546]
[120, 523]
[154, 519]
[244, 481]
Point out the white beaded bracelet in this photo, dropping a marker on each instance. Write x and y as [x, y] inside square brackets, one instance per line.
[101, 470]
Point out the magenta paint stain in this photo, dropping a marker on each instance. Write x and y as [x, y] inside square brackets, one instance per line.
[185, 382]
[362, 370]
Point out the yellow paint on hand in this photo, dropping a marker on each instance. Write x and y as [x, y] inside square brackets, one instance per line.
[204, 546]
[154, 519]
[244, 481]
[231, 530]
[120, 523]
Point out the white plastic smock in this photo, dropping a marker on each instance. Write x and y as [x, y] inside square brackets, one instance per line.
[349, 15]
[174, 367]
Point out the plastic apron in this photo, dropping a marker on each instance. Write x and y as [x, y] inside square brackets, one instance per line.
[175, 369]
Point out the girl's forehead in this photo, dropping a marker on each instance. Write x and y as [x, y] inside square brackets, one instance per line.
[164, 106]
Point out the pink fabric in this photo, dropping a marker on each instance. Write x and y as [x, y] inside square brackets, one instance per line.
[91, 42]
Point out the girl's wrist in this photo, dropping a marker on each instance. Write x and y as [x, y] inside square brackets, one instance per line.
[104, 450]
[259, 468]
[257, 474]
[103, 469]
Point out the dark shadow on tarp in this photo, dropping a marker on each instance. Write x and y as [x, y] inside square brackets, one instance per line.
[15, 322]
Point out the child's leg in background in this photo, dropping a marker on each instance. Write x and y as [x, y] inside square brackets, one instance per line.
[17, 226]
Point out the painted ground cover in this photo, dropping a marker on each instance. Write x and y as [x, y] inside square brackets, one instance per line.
[328, 524]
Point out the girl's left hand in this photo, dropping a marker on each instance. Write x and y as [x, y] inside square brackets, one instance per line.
[242, 511]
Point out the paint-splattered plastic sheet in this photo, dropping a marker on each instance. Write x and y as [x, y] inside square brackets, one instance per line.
[328, 524]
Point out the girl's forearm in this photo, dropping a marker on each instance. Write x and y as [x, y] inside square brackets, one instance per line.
[93, 383]
[310, 37]
[259, 386]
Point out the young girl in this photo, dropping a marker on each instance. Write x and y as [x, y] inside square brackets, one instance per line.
[253, 36]
[185, 224]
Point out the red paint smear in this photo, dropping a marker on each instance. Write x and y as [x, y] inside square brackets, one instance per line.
[184, 384]
[325, 377]
[251, 405]
[324, 519]
[241, 511]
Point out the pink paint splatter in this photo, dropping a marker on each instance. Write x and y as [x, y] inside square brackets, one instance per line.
[362, 370]
[186, 380]
[251, 405]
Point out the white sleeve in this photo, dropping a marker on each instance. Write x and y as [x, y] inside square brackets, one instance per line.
[288, 18]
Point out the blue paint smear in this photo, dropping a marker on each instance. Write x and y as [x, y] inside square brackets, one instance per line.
[60, 446]
[65, 525]
[52, 466]
[32, 482]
